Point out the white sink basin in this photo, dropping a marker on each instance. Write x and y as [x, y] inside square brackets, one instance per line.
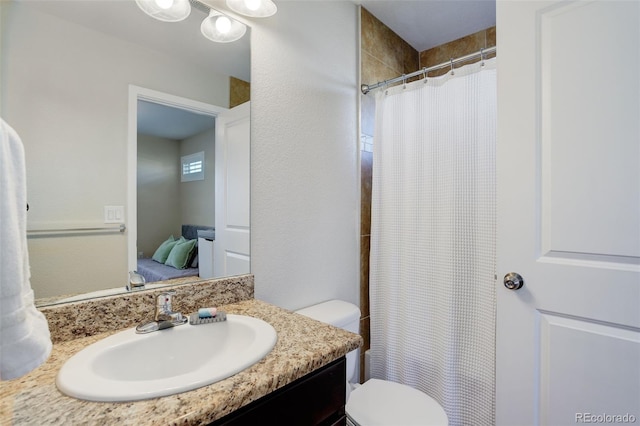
[128, 366]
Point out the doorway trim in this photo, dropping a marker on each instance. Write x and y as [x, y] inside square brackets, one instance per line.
[137, 93]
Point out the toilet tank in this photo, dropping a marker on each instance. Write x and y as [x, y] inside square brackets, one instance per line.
[339, 314]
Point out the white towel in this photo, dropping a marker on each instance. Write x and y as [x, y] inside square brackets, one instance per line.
[25, 342]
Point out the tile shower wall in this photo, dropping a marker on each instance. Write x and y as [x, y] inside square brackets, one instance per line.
[384, 55]
[457, 48]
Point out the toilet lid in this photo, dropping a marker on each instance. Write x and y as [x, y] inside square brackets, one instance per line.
[384, 403]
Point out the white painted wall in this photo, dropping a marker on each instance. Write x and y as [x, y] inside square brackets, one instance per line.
[158, 191]
[304, 155]
[197, 198]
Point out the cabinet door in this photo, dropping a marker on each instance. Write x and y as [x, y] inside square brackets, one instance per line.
[316, 399]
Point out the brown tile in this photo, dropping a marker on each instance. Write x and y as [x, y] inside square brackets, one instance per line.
[374, 70]
[469, 44]
[367, 114]
[455, 49]
[368, 28]
[366, 173]
[491, 39]
[364, 275]
[239, 92]
[382, 43]
[491, 36]
[364, 299]
[365, 333]
[411, 60]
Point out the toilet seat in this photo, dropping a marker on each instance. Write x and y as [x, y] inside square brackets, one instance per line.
[384, 403]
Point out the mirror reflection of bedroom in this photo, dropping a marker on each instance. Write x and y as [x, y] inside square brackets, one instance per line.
[175, 193]
[77, 118]
[192, 191]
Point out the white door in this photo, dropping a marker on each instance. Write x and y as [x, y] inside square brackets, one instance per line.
[231, 250]
[568, 341]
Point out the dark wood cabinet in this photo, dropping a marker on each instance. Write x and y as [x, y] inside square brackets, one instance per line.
[315, 399]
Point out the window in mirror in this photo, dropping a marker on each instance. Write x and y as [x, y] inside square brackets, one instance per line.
[193, 167]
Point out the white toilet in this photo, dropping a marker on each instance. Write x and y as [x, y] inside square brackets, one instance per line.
[376, 402]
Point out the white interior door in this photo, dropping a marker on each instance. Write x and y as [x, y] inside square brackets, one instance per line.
[231, 252]
[568, 341]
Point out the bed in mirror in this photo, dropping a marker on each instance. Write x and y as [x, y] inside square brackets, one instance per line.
[105, 99]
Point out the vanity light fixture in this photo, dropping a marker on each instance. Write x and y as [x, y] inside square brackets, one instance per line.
[166, 10]
[221, 28]
[216, 27]
[253, 8]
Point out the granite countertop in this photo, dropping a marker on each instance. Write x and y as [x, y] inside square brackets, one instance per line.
[303, 346]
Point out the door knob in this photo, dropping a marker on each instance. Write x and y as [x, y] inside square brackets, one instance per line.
[513, 281]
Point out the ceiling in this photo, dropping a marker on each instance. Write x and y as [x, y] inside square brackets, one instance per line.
[171, 123]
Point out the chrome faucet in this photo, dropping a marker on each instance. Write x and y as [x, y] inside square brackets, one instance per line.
[136, 281]
[164, 317]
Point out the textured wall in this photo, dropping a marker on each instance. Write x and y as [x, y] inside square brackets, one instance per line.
[304, 159]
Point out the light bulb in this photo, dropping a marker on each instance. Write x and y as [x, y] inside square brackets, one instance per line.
[165, 10]
[164, 4]
[222, 29]
[252, 4]
[223, 24]
[253, 8]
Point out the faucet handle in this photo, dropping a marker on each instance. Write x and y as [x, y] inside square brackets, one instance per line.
[163, 303]
[171, 292]
[165, 317]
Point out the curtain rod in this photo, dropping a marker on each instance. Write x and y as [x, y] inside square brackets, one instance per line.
[366, 88]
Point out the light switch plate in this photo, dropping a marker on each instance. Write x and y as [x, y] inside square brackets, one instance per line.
[113, 214]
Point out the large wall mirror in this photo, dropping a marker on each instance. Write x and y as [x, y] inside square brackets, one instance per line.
[115, 109]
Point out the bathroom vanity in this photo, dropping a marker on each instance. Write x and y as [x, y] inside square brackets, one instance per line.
[301, 381]
[316, 399]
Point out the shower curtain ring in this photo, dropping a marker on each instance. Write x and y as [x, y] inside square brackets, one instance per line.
[481, 57]
[404, 81]
[452, 72]
[424, 73]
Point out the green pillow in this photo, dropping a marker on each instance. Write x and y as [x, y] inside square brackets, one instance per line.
[162, 253]
[181, 253]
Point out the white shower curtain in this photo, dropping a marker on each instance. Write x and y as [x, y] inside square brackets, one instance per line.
[433, 250]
